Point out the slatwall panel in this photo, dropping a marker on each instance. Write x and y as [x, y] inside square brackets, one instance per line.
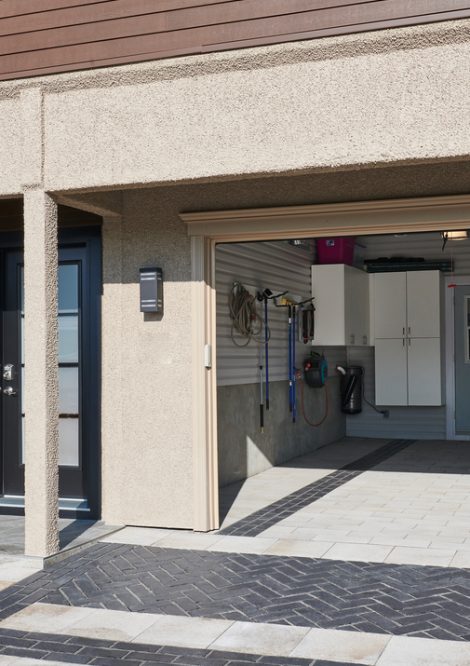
[45, 36]
[417, 422]
[278, 266]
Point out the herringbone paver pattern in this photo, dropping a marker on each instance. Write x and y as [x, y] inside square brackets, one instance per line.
[268, 516]
[421, 601]
[77, 650]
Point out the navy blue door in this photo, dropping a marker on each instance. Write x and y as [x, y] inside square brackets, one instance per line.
[79, 376]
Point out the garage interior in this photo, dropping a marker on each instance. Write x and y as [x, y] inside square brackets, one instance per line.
[383, 314]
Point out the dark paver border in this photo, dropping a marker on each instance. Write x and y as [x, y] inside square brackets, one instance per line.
[270, 515]
[80, 650]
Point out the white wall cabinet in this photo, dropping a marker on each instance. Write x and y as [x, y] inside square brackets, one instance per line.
[407, 312]
[341, 302]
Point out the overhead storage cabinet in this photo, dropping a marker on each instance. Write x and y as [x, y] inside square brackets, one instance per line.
[407, 323]
[341, 299]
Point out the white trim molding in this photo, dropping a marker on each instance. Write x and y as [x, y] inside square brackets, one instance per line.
[343, 219]
[450, 356]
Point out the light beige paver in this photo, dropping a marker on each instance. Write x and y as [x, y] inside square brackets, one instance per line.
[299, 548]
[139, 536]
[45, 617]
[357, 552]
[406, 651]
[352, 647]
[121, 625]
[425, 556]
[195, 632]
[260, 638]
[236, 544]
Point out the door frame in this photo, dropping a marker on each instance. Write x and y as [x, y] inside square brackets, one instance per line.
[460, 281]
[207, 229]
[89, 237]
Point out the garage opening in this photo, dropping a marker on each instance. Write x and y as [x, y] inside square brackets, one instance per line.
[332, 350]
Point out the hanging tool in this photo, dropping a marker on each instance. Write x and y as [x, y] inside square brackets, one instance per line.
[294, 372]
[283, 301]
[289, 303]
[289, 329]
[246, 321]
[261, 391]
[306, 323]
[266, 349]
[266, 296]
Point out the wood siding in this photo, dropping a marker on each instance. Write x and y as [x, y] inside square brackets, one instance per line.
[45, 36]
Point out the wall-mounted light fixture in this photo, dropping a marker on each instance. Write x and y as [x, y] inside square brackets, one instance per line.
[151, 290]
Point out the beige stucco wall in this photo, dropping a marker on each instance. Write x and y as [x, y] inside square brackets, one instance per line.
[11, 146]
[147, 439]
[374, 98]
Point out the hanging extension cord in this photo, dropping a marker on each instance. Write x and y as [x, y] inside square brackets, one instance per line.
[245, 319]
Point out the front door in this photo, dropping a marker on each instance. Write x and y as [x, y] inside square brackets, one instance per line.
[78, 380]
[462, 359]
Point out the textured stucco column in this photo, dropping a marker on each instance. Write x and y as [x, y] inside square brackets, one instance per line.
[41, 386]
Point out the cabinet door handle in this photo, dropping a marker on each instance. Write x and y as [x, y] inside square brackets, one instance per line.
[403, 331]
[409, 342]
[409, 330]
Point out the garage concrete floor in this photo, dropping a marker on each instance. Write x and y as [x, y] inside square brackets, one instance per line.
[413, 507]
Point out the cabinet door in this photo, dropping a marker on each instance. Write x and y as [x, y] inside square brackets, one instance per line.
[423, 304]
[329, 302]
[391, 384]
[389, 305]
[362, 321]
[424, 372]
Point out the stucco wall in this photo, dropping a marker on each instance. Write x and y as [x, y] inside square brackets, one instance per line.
[11, 146]
[339, 102]
[319, 113]
[147, 440]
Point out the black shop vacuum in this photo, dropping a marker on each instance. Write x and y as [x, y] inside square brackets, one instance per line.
[351, 388]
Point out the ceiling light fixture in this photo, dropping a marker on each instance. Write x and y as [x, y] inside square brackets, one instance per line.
[453, 236]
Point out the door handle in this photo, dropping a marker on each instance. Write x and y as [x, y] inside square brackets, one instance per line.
[9, 391]
[8, 372]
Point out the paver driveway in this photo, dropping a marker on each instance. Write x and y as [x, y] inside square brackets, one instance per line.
[330, 565]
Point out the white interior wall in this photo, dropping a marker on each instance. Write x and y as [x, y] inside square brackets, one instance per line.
[414, 422]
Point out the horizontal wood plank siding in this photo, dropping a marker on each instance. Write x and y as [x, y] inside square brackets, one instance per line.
[48, 36]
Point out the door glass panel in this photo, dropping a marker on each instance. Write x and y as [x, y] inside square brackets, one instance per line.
[69, 356]
[68, 391]
[68, 338]
[68, 288]
[69, 449]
